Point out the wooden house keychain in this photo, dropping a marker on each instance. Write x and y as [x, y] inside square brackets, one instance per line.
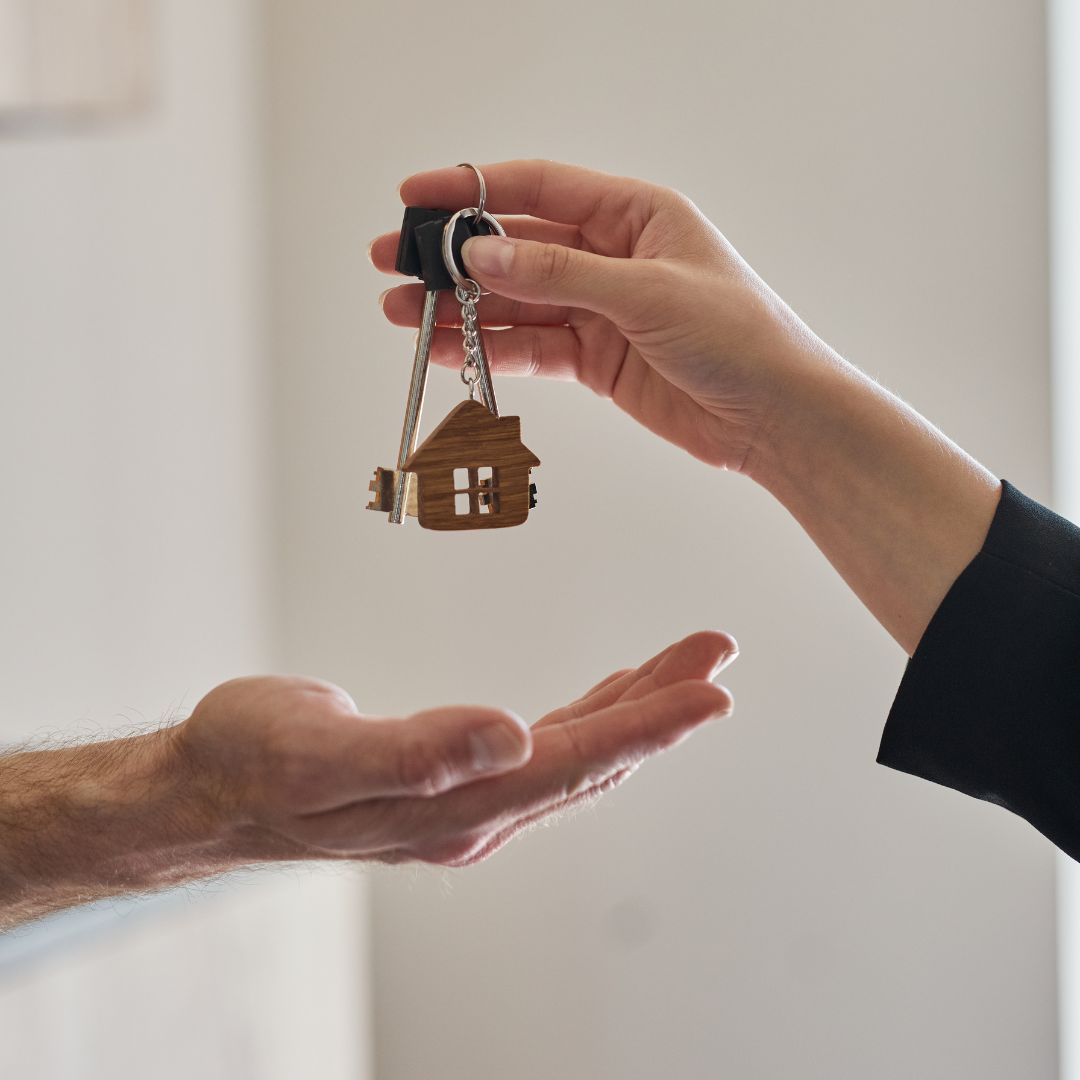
[472, 471]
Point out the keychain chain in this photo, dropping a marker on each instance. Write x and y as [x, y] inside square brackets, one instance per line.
[467, 293]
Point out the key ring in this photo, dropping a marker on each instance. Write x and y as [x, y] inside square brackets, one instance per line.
[477, 212]
[456, 275]
[482, 204]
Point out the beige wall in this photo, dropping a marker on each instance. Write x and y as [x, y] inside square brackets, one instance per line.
[136, 560]
[766, 902]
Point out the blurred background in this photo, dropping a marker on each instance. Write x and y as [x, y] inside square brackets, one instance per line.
[197, 384]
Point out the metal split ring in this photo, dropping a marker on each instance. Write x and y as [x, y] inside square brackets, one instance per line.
[468, 292]
[457, 275]
[481, 206]
[459, 278]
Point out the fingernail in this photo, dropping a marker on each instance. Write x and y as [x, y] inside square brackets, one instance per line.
[369, 249]
[497, 746]
[382, 298]
[724, 662]
[489, 255]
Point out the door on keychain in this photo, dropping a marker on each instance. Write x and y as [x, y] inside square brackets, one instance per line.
[473, 471]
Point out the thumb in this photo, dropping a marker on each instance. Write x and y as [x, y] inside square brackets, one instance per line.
[440, 749]
[552, 274]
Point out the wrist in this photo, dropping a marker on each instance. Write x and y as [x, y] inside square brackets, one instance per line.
[92, 821]
[896, 507]
[179, 819]
[774, 377]
[217, 808]
[811, 389]
[151, 822]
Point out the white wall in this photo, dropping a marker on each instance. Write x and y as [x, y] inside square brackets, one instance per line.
[768, 902]
[136, 559]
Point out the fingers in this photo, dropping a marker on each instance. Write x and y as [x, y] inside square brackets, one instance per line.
[569, 761]
[552, 352]
[423, 755]
[383, 250]
[545, 232]
[403, 306]
[702, 655]
[543, 189]
[623, 735]
[593, 354]
[452, 785]
[489, 846]
[613, 677]
[544, 260]
[582, 752]
[553, 274]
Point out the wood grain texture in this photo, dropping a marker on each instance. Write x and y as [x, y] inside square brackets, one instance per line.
[471, 438]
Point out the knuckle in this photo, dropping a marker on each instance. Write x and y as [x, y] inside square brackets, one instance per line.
[455, 850]
[575, 744]
[535, 362]
[282, 762]
[553, 262]
[660, 274]
[660, 199]
[581, 772]
[676, 200]
[422, 770]
[291, 776]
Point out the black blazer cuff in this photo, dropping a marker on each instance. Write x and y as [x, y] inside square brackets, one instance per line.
[990, 702]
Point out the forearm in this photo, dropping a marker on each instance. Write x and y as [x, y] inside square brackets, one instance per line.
[101, 820]
[897, 508]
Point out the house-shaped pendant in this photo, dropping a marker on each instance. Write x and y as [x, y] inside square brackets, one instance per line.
[473, 471]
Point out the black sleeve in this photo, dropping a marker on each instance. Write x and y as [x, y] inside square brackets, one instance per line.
[990, 702]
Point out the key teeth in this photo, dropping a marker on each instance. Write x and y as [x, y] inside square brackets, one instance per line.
[382, 486]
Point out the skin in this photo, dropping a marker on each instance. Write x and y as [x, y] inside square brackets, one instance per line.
[274, 769]
[625, 287]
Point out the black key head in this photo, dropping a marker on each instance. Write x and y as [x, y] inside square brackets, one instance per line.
[420, 246]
